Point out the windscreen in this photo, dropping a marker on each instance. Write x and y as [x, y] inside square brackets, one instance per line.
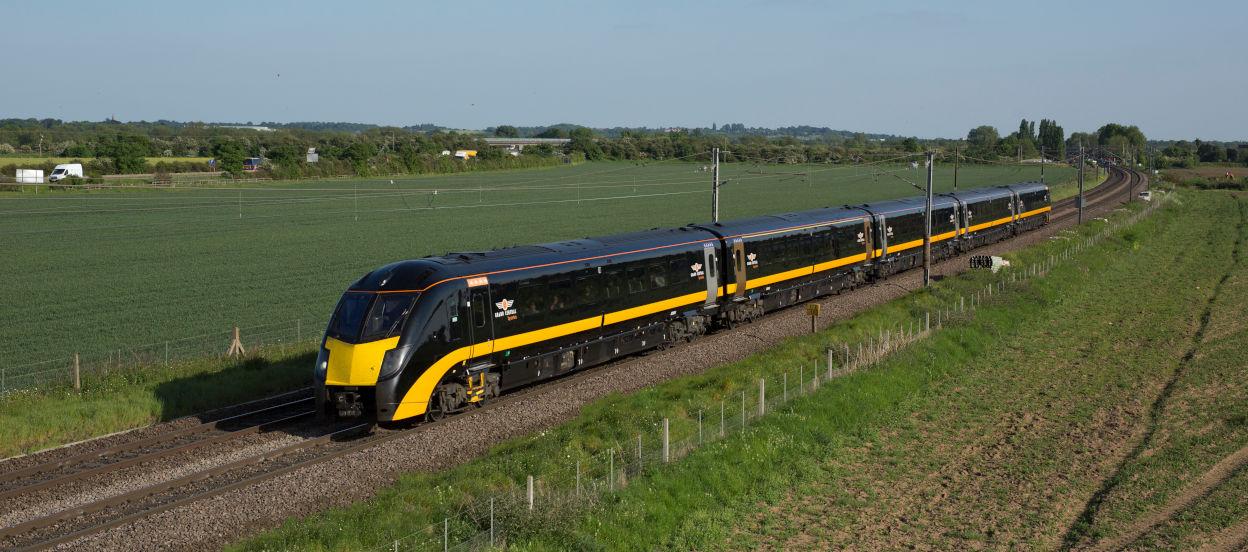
[367, 317]
[349, 316]
[386, 317]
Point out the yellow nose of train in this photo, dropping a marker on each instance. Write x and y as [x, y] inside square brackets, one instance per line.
[357, 364]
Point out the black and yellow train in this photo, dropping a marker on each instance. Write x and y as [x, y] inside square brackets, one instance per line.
[434, 335]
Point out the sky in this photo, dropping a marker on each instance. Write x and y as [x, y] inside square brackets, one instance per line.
[1177, 70]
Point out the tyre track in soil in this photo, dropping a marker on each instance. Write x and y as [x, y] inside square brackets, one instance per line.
[1076, 534]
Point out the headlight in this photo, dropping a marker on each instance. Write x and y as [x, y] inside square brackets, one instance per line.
[322, 365]
[393, 362]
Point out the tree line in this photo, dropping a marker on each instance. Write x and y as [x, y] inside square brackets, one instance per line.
[111, 147]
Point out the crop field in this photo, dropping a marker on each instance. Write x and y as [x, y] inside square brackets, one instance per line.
[94, 272]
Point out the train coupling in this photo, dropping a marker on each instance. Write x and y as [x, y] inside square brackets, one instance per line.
[348, 402]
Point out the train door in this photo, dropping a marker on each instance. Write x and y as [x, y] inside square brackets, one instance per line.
[958, 227]
[738, 267]
[711, 261]
[867, 239]
[881, 232]
[483, 311]
[458, 325]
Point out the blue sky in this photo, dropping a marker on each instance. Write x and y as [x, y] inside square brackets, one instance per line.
[1178, 70]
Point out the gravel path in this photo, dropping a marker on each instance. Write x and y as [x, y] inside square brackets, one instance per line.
[212, 523]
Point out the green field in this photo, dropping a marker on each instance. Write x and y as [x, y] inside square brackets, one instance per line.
[115, 274]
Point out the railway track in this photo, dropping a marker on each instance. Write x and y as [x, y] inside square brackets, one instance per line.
[309, 445]
[87, 518]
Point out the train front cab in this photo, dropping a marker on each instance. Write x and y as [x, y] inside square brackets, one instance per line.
[384, 351]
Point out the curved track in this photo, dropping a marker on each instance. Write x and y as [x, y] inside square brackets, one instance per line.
[297, 442]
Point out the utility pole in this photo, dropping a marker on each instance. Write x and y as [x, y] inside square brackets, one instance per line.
[1081, 182]
[715, 185]
[955, 166]
[927, 227]
[1042, 164]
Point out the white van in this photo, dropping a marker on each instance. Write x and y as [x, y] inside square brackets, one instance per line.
[61, 172]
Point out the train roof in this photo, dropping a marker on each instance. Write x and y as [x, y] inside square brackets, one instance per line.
[904, 204]
[422, 274]
[995, 191]
[795, 220]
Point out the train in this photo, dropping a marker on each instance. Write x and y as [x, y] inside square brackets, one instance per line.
[418, 339]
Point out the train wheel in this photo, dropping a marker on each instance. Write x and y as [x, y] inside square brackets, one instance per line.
[436, 410]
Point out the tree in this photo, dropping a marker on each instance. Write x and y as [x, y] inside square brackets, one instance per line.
[129, 153]
[507, 131]
[1052, 137]
[229, 154]
[553, 132]
[284, 155]
[983, 138]
[583, 141]
[1210, 153]
[1131, 135]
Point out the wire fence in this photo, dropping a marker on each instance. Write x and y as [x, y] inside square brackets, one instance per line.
[540, 500]
[275, 337]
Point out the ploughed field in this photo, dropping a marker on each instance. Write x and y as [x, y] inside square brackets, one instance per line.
[105, 272]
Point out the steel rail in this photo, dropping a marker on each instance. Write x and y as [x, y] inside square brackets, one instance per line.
[27, 472]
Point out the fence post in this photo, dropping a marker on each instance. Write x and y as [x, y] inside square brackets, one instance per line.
[721, 418]
[927, 320]
[529, 492]
[446, 534]
[801, 375]
[830, 361]
[742, 409]
[77, 375]
[491, 522]
[699, 425]
[785, 393]
[762, 400]
[667, 455]
[578, 478]
[611, 472]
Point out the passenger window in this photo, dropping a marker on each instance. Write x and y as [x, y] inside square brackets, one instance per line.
[635, 282]
[658, 276]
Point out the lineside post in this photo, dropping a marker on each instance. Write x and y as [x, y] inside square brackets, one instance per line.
[1080, 183]
[715, 185]
[762, 398]
[667, 454]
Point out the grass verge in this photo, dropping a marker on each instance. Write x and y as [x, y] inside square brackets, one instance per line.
[34, 419]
